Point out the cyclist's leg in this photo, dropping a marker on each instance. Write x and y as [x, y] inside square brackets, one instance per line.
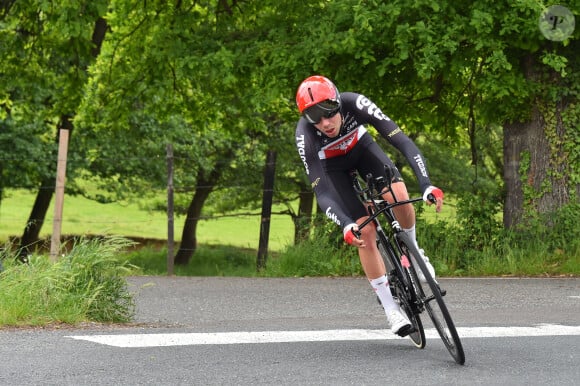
[405, 214]
[339, 175]
[374, 161]
[371, 262]
[370, 258]
[375, 271]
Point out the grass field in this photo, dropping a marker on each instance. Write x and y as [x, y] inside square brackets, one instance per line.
[85, 217]
[227, 245]
[82, 216]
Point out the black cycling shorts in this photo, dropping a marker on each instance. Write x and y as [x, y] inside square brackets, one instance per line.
[366, 157]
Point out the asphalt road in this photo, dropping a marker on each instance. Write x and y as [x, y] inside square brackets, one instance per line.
[213, 307]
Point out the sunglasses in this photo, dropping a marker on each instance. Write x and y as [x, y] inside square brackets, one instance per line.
[325, 109]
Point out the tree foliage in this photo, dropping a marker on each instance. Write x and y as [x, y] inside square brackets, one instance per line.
[217, 78]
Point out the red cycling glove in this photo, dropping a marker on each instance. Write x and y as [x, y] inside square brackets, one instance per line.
[349, 237]
[436, 192]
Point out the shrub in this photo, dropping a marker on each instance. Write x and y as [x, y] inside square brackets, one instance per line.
[87, 284]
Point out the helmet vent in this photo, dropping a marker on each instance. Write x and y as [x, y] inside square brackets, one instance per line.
[310, 93]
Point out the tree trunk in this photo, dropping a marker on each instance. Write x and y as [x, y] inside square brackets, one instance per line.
[267, 199]
[205, 185]
[35, 221]
[537, 171]
[303, 221]
[519, 138]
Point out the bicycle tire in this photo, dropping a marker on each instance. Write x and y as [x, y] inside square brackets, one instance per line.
[414, 306]
[435, 305]
[404, 298]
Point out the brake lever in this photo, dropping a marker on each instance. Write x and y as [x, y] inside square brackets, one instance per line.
[432, 198]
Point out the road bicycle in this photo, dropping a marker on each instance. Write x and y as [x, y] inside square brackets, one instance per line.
[402, 260]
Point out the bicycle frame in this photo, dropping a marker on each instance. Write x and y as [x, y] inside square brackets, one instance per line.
[402, 274]
[376, 206]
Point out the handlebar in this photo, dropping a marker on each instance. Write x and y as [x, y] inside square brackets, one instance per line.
[373, 192]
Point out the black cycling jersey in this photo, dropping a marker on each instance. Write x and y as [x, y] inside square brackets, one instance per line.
[328, 161]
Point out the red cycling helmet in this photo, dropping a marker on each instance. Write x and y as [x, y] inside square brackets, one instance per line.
[317, 97]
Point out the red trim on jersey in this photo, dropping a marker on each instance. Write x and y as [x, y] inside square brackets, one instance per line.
[342, 145]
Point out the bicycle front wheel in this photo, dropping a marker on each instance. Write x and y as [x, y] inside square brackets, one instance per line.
[401, 293]
[434, 304]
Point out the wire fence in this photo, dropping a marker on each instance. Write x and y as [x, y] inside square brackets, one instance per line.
[112, 219]
[133, 218]
[83, 216]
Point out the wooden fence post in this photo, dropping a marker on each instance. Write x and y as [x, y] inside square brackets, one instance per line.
[170, 211]
[59, 194]
[269, 172]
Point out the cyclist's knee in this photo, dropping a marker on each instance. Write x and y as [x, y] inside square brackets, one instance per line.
[369, 230]
[400, 190]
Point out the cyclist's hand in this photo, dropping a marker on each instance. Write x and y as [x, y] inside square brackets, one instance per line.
[434, 195]
[352, 236]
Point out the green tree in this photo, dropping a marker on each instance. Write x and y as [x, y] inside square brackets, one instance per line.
[46, 50]
[458, 70]
[217, 80]
[194, 86]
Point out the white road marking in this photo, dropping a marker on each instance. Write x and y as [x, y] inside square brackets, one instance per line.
[247, 337]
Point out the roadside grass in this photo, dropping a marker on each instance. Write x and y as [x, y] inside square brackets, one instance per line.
[86, 284]
[536, 260]
[317, 259]
[208, 260]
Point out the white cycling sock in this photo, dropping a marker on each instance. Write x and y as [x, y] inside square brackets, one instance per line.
[412, 234]
[381, 287]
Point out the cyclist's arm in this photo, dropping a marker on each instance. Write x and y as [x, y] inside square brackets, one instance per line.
[413, 155]
[371, 114]
[326, 195]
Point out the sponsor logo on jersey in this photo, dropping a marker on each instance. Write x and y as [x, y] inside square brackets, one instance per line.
[315, 183]
[332, 215]
[349, 123]
[396, 131]
[302, 152]
[364, 104]
[421, 164]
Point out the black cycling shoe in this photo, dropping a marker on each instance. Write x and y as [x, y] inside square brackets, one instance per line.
[405, 330]
[443, 291]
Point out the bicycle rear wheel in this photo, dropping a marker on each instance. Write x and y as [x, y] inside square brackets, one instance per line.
[400, 291]
[435, 305]
[417, 336]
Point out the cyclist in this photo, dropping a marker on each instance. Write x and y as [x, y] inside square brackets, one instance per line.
[332, 140]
